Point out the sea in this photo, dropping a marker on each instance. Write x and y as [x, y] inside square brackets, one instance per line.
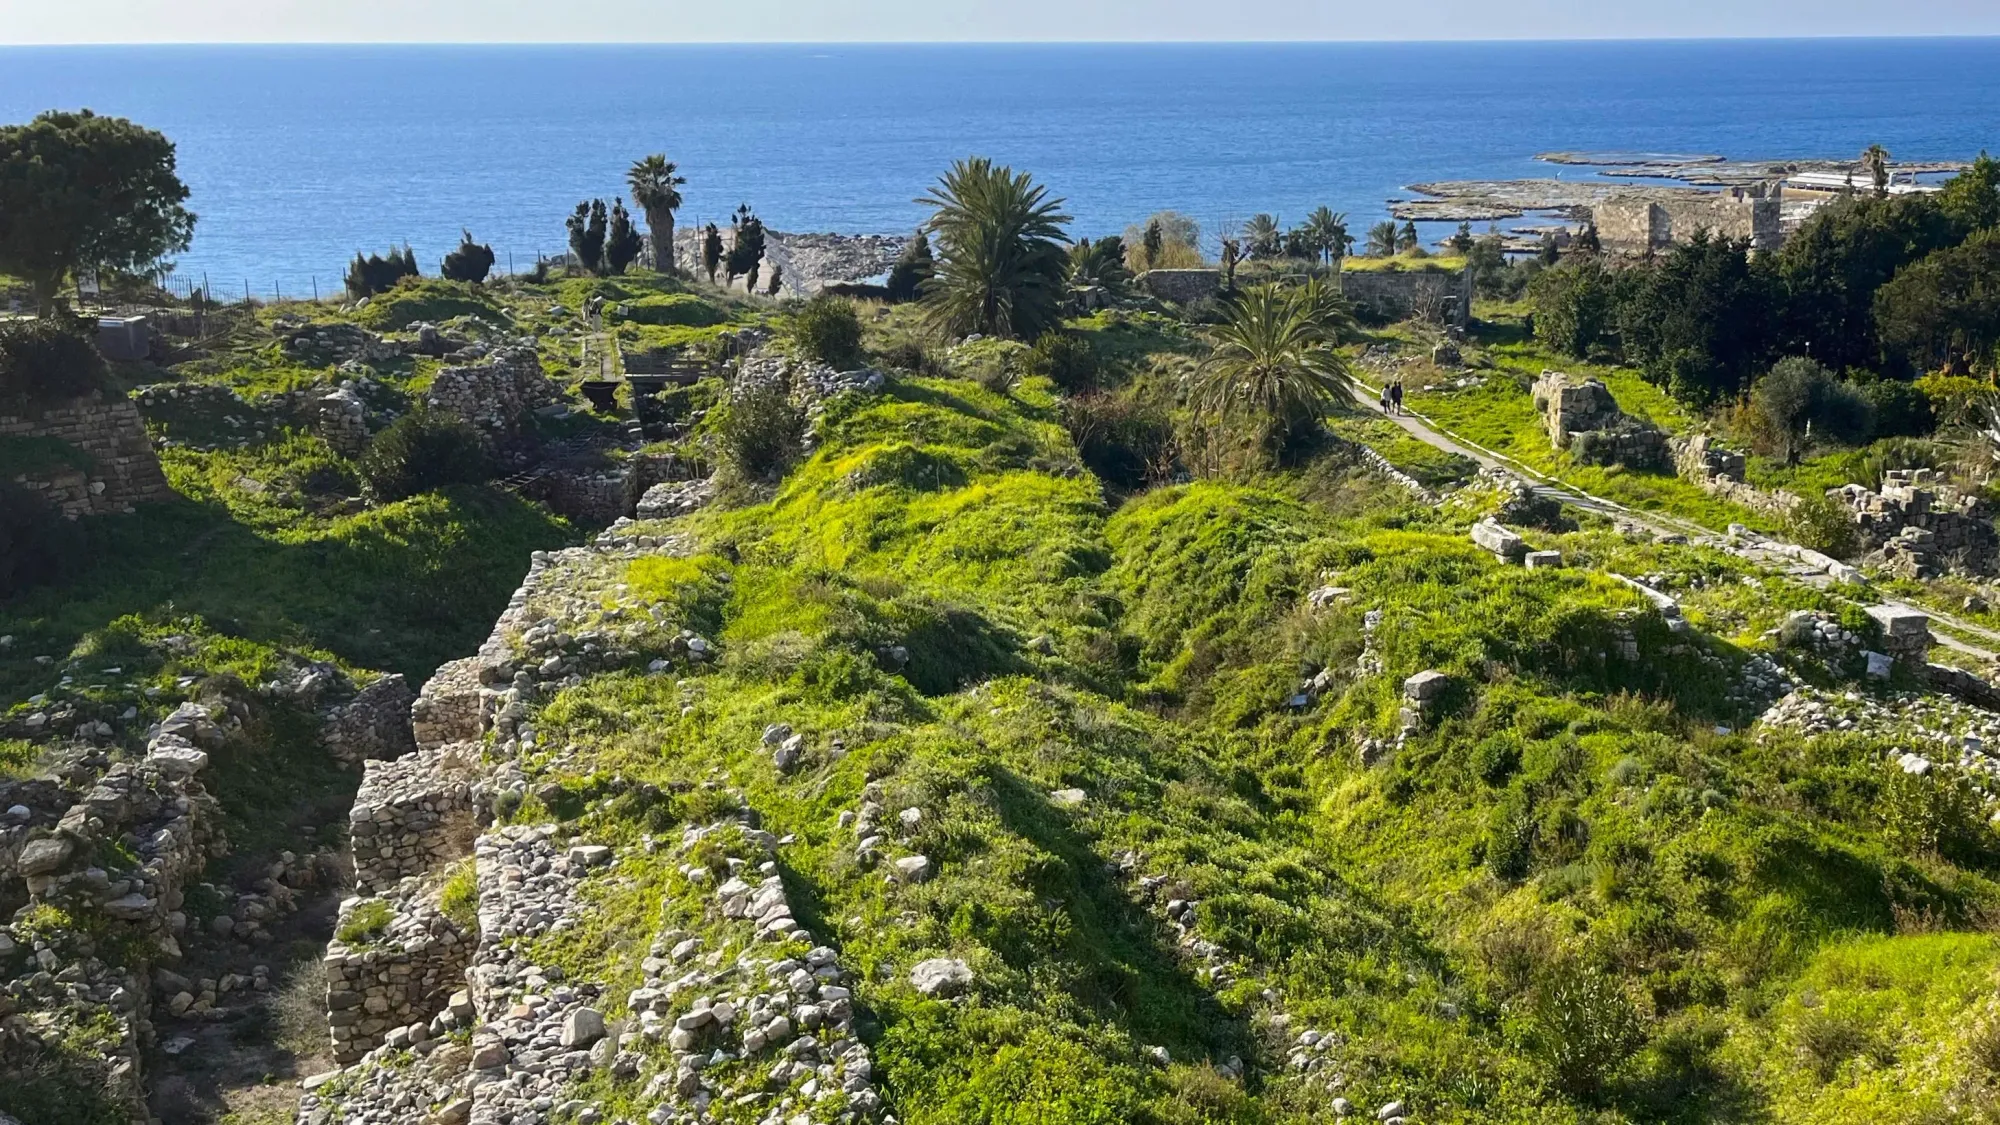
[299, 156]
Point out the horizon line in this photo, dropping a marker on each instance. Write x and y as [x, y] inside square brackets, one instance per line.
[1300, 42]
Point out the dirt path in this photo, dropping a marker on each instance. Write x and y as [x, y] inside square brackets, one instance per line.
[1430, 433]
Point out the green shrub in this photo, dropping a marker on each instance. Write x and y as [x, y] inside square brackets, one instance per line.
[1584, 1027]
[374, 273]
[760, 430]
[420, 452]
[366, 922]
[1124, 441]
[37, 544]
[416, 299]
[1066, 358]
[458, 899]
[470, 262]
[1824, 525]
[829, 330]
[670, 310]
[49, 358]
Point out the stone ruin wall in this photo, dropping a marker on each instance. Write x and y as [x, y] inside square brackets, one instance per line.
[123, 470]
[404, 975]
[1572, 410]
[1399, 294]
[1183, 287]
[496, 395]
[1638, 225]
[412, 814]
[1720, 473]
[1919, 525]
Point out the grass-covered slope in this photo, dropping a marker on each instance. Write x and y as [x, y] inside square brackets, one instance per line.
[1173, 829]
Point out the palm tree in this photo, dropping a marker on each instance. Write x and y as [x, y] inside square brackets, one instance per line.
[1328, 230]
[1875, 158]
[1382, 240]
[1273, 366]
[656, 188]
[1100, 265]
[1001, 262]
[1261, 238]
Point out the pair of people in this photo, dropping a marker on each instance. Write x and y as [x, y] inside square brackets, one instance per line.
[1392, 397]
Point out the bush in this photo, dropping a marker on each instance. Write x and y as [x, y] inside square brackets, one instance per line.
[760, 430]
[419, 452]
[367, 276]
[1066, 359]
[1801, 402]
[1899, 408]
[37, 544]
[50, 358]
[471, 262]
[1584, 1027]
[1126, 443]
[1824, 525]
[829, 330]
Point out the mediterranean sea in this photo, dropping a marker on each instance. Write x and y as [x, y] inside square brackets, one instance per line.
[299, 156]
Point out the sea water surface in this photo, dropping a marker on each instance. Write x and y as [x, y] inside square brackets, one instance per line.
[299, 156]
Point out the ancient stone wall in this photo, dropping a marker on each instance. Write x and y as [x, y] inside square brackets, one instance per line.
[1581, 416]
[1400, 294]
[374, 724]
[1183, 287]
[123, 470]
[497, 395]
[412, 814]
[402, 975]
[1920, 526]
[1642, 225]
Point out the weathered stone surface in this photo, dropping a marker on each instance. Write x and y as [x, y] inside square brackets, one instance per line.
[1425, 686]
[1582, 417]
[122, 468]
[1499, 540]
[941, 977]
[1542, 560]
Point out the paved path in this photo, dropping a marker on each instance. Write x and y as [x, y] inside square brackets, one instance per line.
[1437, 437]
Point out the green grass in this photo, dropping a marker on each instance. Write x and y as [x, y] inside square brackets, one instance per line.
[33, 456]
[1448, 263]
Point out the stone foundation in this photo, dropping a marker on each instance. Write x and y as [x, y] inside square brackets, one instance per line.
[494, 396]
[374, 724]
[1583, 418]
[1920, 526]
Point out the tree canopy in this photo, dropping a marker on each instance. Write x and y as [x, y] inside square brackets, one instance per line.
[79, 191]
[1002, 260]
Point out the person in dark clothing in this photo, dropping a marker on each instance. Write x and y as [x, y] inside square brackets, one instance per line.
[1396, 396]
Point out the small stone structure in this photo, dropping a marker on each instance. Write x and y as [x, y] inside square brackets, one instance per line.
[676, 498]
[1399, 294]
[1583, 418]
[1502, 541]
[1919, 526]
[1639, 225]
[122, 469]
[412, 814]
[403, 975]
[496, 395]
[342, 419]
[374, 724]
[1182, 287]
[1906, 632]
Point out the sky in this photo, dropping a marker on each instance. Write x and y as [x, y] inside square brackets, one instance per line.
[686, 21]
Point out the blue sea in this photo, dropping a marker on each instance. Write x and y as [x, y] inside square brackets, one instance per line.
[299, 156]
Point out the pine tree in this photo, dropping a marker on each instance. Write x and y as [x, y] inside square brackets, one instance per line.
[711, 251]
[471, 262]
[586, 235]
[623, 243]
[907, 279]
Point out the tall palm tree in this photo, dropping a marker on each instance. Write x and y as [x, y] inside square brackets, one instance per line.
[656, 188]
[1273, 366]
[1382, 240]
[1001, 262]
[1261, 237]
[1328, 230]
[1875, 158]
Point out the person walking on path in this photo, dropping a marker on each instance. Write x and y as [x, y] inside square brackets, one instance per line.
[1396, 397]
[1383, 396]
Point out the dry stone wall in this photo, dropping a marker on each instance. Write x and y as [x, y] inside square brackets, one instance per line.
[123, 470]
[497, 395]
[412, 814]
[1919, 525]
[396, 980]
[1400, 294]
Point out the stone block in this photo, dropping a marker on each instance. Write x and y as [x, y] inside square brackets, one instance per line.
[1542, 560]
[1425, 687]
[1499, 540]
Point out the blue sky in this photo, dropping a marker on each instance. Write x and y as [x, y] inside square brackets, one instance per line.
[348, 21]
